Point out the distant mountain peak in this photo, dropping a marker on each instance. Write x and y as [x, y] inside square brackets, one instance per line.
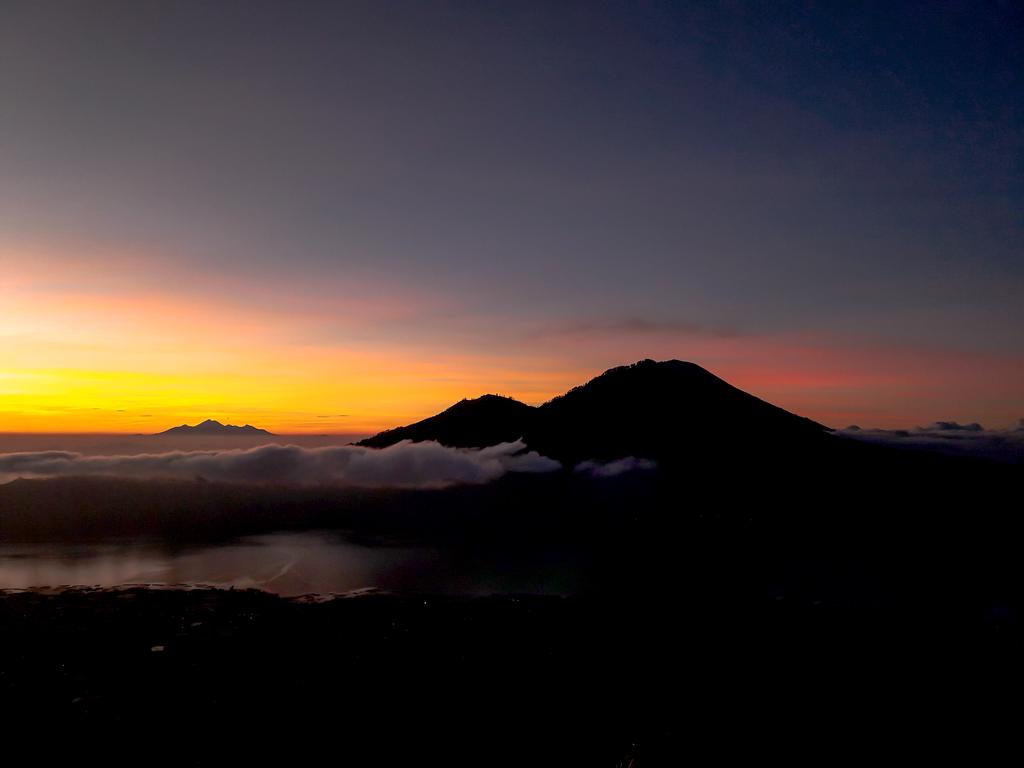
[214, 427]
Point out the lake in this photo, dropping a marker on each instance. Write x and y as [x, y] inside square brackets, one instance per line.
[288, 564]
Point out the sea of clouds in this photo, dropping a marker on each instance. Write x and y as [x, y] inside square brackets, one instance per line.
[403, 465]
[951, 438]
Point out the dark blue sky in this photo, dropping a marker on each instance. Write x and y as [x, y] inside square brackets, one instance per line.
[848, 170]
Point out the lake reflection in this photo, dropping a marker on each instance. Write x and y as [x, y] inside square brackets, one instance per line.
[284, 563]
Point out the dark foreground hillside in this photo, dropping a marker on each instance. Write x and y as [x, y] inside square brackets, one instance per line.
[205, 678]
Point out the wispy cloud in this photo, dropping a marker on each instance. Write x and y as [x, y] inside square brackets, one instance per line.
[614, 468]
[628, 326]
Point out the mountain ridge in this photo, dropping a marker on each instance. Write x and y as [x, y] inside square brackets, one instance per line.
[648, 408]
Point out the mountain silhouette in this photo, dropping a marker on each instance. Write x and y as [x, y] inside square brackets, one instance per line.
[670, 409]
[470, 423]
[211, 427]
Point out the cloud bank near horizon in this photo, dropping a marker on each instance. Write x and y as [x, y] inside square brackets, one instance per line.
[403, 465]
[950, 437]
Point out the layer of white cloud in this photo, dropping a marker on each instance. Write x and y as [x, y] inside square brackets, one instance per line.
[403, 465]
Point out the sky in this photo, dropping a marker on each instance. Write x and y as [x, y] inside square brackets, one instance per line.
[340, 217]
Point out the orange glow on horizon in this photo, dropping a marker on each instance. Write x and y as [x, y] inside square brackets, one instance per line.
[143, 363]
[127, 356]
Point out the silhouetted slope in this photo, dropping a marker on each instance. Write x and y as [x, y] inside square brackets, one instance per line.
[211, 427]
[663, 409]
[649, 409]
[482, 421]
